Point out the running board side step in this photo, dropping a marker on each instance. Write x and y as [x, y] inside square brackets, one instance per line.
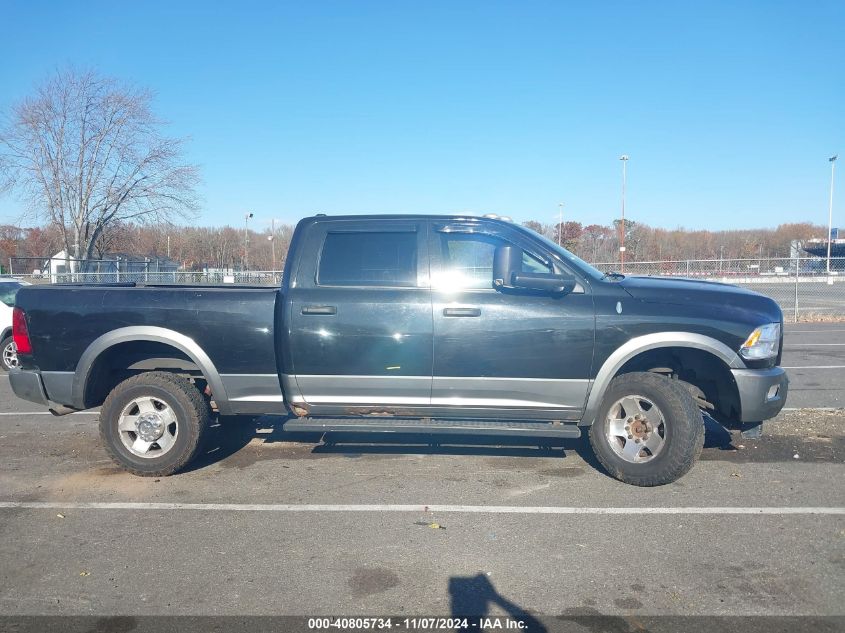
[454, 427]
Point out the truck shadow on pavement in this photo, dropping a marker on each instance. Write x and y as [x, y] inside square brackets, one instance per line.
[237, 441]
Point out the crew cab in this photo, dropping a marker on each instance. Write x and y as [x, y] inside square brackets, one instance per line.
[414, 324]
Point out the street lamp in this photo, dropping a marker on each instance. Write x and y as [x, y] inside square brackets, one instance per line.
[246, 240]
[624, 159]
[832, 161]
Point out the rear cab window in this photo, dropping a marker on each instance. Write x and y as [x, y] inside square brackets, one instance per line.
[368, 258]
[8, 292]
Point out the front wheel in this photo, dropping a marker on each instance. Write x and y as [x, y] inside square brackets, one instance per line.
[153, 424]
[10, 354]
[648, 431]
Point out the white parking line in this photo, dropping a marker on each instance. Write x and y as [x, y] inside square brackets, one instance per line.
[47, 413]
[791, 329]
[285, 507]
[788, 331]
[814, 367]
[9, 413]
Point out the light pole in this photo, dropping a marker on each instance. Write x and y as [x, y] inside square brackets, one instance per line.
[560, 224]
[246, 240]
[832, 161]
[624, 159]
[272, 238]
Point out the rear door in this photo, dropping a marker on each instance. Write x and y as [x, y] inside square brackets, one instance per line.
[522, 354]
[360, 319]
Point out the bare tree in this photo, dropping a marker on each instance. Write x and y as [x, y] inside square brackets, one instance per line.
[87, 152]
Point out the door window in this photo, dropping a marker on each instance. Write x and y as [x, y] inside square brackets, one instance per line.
[369, 259]
[468, 260]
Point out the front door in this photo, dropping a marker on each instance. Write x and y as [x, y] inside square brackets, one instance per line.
[505, 352]
[360, 319]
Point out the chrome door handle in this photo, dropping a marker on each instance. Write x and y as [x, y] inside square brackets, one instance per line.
[326, 310]
[462, 312]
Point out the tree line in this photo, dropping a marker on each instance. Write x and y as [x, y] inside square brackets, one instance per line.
[600, 243]
[197, 247]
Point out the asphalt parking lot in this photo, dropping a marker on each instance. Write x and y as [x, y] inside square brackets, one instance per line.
[814, 297]
[272, 524]
[814, 355]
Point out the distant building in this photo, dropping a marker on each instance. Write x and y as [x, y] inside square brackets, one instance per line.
[818, 248]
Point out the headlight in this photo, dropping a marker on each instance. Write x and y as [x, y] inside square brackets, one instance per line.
[763, 343]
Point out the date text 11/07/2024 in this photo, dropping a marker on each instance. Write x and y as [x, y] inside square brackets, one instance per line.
[418, 623]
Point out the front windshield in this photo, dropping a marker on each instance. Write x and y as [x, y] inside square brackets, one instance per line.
[8, 292]
[566, 256]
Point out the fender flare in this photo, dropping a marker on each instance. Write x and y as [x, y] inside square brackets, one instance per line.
[129, 334]
[647, 342]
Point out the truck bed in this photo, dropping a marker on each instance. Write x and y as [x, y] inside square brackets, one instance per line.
[231, 327]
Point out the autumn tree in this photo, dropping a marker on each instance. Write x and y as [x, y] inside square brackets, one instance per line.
[535, 226]
[86, 152]
[596, 236]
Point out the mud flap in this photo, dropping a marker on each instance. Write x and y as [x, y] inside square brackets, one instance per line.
[751, 430]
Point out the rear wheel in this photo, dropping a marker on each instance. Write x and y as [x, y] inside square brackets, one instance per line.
[153, 424]
[649, 431]
[10, 354]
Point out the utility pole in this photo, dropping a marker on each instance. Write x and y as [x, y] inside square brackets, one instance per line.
[560, 224]
[832, 161]
[624, 159]
[246, 240]
[273, 241]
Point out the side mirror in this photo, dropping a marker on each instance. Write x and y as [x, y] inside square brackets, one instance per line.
[544, 282]
[507, 261]
[507, 273]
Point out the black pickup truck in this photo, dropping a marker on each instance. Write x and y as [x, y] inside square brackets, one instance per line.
[413, 324]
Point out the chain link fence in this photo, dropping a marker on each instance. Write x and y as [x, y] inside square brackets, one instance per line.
[58, 270]
[802, 286]
[178, 277]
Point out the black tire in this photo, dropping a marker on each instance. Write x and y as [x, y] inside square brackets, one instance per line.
[683, 430]
[193, 417]
[5, 342]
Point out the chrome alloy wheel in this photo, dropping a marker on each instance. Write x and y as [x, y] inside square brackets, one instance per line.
[636, 429]
[148, 427]
[10, 355]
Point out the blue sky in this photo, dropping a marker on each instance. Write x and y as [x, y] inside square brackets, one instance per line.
[728, 111]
